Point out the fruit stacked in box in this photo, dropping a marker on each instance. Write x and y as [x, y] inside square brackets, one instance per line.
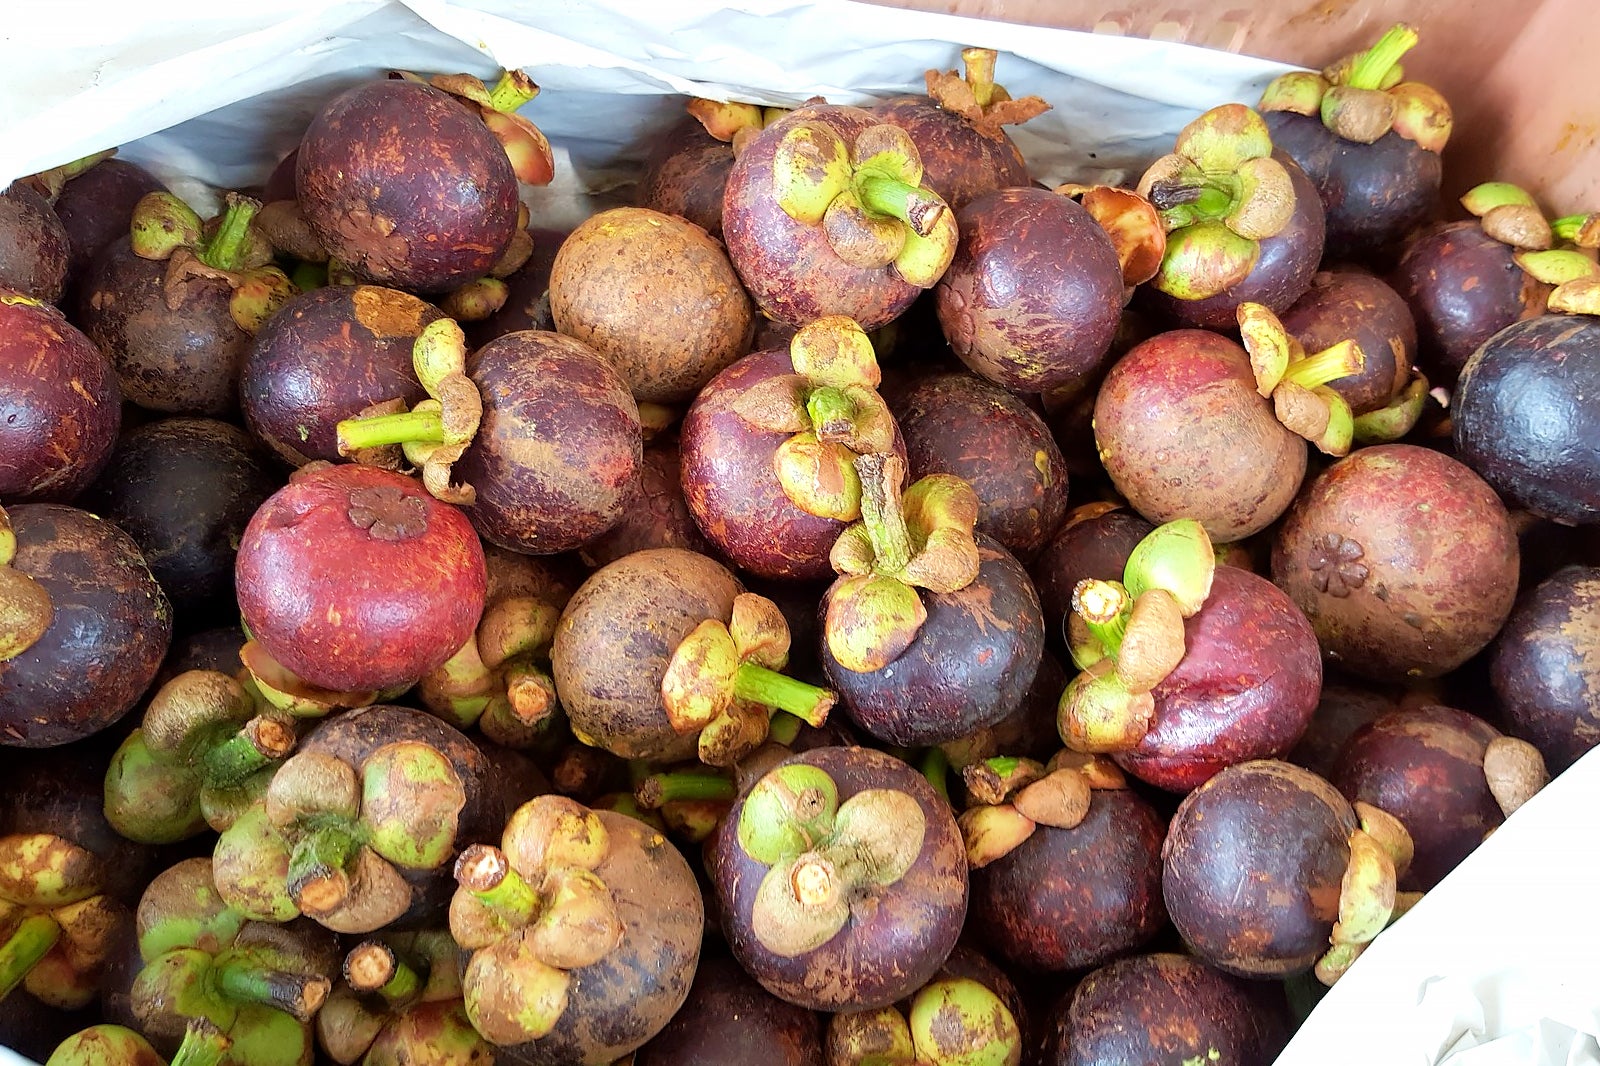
[855, 605]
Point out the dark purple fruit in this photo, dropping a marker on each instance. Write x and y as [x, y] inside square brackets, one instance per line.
[34, 247]
[1032, 298]
[685, 174]
[1343, 708]
[110, 628]
[729, 1020]
[1353, 304]
[60, 405]
[1524, 419]
[96, 206]
[1067, 899]
[326, 355]
[1424, 765]
[406, 187]
[1094, 543]
[1543, 668]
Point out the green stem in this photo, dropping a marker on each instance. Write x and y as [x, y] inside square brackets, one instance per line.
[374, 967]
[406, 427]
[935, 766]
[512, 91]
[242, 979]
[881, 513]
[202, 1045]
[1104, 607]
[1373, 65]
[319, 859]
[772, 689]
[259, 743]
[658, 789]
[884, 195]
[35, 935]
[1337, 362]
[484, 870]
[225, 249]
[832, 413]
[783, 728]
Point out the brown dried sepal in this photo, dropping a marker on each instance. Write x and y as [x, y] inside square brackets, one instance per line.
[1097, 714]
[1153, 643]
[376, 895]
[1100, 771]
[25, 612]
[194, 701]
[725, 119]
[1132, 223]
[992, 832]
[1059, 799]
[284, 226]
[1522, 226]
[992, 781]
[282, 689]
[1359, 115]
[1515, 771]
[977, 98]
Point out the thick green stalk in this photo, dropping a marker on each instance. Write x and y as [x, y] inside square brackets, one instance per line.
[772, 689]
[32, 940]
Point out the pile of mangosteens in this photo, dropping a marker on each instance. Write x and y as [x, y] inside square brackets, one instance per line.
[856, 604]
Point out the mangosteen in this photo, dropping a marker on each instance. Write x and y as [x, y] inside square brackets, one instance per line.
[729, 1020]
[184, 489]
[329, 354]
[60, 404]
[1344, 707]
[1350, 303]
[356, 579]
[686, 171]
[826, 212]
[655, 296]
[527, 303]
[1540, 666]
[656, 515]
[958, 129]
[662, 655]
[1164, 1008]
[1522, 419]
[584, 932]
[85, 625]
[174, 305]
[1266, 864]
[34, 246]
[841, 880]
[768, 448]
[96, 207]
[407, 187]
[1094, 542]
[1066, 862]
[1403, 559]
[930, 631]
[541, 431]
[358, 828]
[1369, 141]
[1033, 295]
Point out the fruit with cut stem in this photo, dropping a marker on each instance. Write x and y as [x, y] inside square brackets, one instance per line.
[34, 247]
[930, 631]
[536, 436]
[1219, 193]
[1032, 298]
[1404, 561]
[184, 490]
[1426, 766]
[1520, 419]
[60, 404]
[826, 212]
[357, 830]
[583, 930]
[1185, 428]
[768, 445]
[83, 625]
[1540, 666]
[200, 960]
[176, 304]
[1165, 1008]
[1093, 542]
[1370, 141]
[729, 1020]
[1350, 303]
[957, 128]
[407, 187]
[663, 655]
[841, 879]
[1083, 885]
[656, 296]
[329, 354]
[1266, 865]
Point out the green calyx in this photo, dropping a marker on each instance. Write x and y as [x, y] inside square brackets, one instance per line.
[29, 941]
[436, 432]
[867, 197]
[956, 1021]
[25, 608]
[920, 539]
[161, 224]
[1296, 382]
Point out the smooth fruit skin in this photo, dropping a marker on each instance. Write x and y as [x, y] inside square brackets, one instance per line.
[1544, 666]
[357, 580]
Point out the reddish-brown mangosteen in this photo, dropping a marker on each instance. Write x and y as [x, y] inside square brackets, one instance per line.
[1542, 666]
[84, 629]
[729, 1020]
[1344, 707]
[60, 404]
[1032, 298]
[1350, 303]
[1261, 861]
[957, 128]
[656, 296]
[34, 247]
[1094, 542]
[655, 515]
[96, 207]
[1424, 765]
[686, 172]
[841, 879]
[406, 187]
[1165, 1008]
[826, 213]
[328, 354]
[357, 580]
[1402, 558]
[768, 447]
